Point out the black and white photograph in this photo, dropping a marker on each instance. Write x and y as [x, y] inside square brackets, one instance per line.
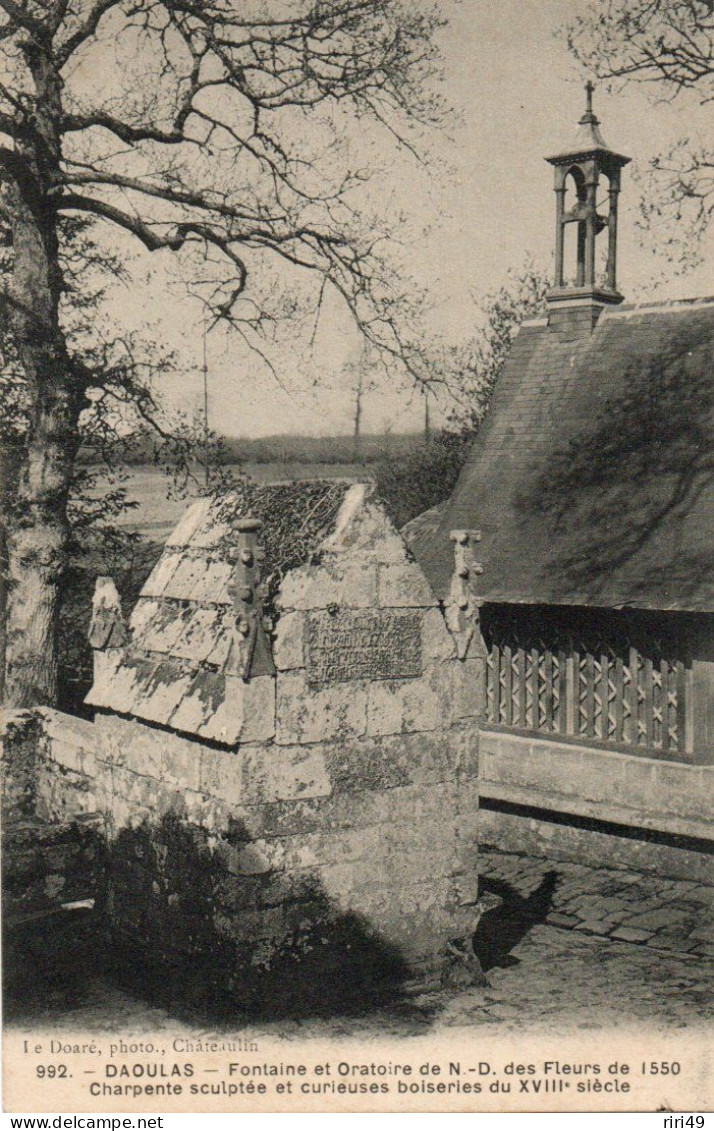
[357, 556]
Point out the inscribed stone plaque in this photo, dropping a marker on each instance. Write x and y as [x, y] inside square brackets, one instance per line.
[363, 645]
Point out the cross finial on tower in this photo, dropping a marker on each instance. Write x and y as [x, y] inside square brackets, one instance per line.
[589, 116]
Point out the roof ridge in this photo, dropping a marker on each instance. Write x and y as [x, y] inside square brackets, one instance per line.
[666, 306]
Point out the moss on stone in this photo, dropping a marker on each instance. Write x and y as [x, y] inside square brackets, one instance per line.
[295, 518]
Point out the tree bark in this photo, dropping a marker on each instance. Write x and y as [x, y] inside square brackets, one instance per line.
[37, 529]
[9, 463]
[38, 534]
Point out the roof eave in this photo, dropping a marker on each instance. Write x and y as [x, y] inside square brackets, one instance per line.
[613, 158]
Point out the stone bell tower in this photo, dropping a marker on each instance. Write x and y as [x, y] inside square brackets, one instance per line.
[585, 272]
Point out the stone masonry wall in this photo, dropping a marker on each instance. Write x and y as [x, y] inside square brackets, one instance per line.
[53, 872]
[665, 808]
[647, 793]
[351, 827]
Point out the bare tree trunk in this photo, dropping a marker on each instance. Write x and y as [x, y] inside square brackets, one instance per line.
[427, 422]
[9, 465]
[36, 521]
[36, 555]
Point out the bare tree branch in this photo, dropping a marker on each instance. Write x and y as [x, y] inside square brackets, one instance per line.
[668, 45]
[84, 32]
[220, 134]
[22, 18]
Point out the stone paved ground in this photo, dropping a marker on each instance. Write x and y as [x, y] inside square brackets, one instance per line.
[664, 914]
[575, 947]
[561, 980]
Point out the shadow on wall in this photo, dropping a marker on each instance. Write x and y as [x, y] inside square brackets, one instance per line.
[48, 961]
[53, 900]
[210, 945]
[185, 933]
[265, 945]
[626, 485]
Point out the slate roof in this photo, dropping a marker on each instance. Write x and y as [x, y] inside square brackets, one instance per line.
[183, 623]
[592, 478]
[587, 139]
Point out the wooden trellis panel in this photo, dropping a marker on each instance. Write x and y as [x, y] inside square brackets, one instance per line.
[627, 700]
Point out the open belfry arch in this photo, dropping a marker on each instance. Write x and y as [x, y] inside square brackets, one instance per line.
[581, 166]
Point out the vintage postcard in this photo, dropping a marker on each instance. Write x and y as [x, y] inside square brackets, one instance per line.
[356, 579]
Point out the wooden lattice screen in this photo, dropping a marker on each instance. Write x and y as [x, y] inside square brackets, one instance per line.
[628, 692]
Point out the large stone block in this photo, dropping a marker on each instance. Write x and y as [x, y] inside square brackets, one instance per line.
[221, 774]
[572, 772]
[352, 886]
[137, 789]
[554, 767]
[256, 858]
[68, 728]
[201, 809]
[316, 715]
[420, 802]
[471, 695]
[436, 641]
[245, 714]
[685, 790]
[338, 811]
[139, 748]
[289, 644]
[339, 846]
[112, 733]
[415, 919]
[401, 706]
[256, 776]
[384, 763]
[363, 529]
[511, 833]
[402, 585]
[360, 764]
[428, 849]
[67, 754]
[350, 584]
[181, 762]
[466, 887]
[283, 773]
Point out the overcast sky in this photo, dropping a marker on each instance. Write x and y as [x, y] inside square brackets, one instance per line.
[517, 95]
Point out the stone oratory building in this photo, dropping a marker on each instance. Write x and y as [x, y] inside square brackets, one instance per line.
[308, 722]
[588, 502]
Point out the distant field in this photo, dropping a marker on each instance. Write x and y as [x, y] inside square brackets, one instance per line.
[292, 449]
[156, 514]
